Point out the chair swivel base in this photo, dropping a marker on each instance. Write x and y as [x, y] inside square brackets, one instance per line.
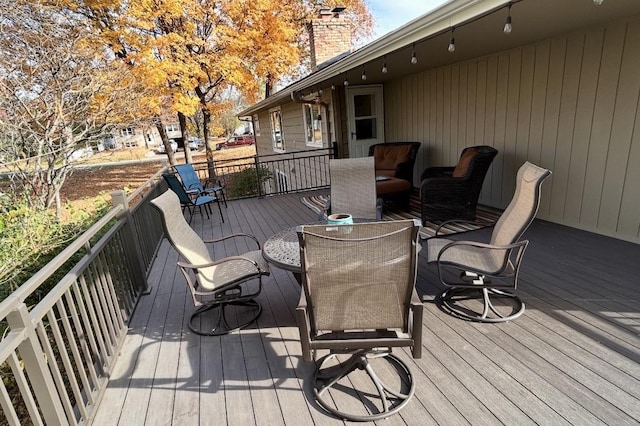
[387, 401]
[248, 313]
[452, 300]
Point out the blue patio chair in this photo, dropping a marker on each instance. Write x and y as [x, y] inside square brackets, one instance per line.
[191, 201]
[192, 182]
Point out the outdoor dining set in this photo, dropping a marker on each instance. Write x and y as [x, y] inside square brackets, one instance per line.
[357, 270]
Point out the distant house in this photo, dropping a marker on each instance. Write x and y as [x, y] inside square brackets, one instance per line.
[136, 136]
[561, 89]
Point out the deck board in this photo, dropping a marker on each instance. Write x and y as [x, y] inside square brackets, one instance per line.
[572, 358]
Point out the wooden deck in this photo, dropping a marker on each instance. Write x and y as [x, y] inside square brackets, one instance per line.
[572, 358]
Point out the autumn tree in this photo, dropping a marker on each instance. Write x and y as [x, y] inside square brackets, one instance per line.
[57, 94]
[191, 51]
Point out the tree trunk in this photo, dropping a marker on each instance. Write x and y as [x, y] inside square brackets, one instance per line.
[206, 118]
[165, 139]
[185, 137]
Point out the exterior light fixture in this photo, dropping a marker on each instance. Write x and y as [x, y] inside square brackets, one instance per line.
[414, 59]
[364, 74]
[384, 65]
[507, 23]
[452, 43]
[346, 82]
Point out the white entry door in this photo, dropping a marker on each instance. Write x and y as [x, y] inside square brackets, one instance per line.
[365, 111]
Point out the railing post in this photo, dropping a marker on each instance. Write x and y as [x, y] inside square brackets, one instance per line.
[335, 150]
[119, 198]
[35, 364]
[258, 183]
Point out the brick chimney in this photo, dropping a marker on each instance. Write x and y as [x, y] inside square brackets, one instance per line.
[329, 36]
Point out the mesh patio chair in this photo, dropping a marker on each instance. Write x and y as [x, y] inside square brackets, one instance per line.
[359, 301]
[353, 188]
[448, 193]
[191, 201]
[489, 272]
[214, 284]
[192, 183]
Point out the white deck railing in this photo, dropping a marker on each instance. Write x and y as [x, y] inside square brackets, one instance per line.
[60, 350]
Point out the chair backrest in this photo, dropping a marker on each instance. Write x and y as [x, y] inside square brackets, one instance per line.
[177, 187]
[389, 155]
[182, 237]
[523, 206]
[189, 177]
[353, 186]
[361, 276]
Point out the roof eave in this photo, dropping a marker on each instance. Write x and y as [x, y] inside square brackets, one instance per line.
[435, 22]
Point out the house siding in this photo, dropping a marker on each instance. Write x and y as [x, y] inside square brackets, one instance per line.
[569, 104]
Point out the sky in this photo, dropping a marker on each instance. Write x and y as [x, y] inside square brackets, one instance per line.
[392, 14]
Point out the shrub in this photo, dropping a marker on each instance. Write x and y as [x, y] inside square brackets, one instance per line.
[30, 238]
[245, 183]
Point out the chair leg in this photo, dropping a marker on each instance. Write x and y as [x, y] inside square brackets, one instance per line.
[388, 401]
[463, 301]
[220, 209]
[221, 325]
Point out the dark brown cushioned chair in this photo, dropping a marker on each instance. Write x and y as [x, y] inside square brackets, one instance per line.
[452, 192]
[395, 161]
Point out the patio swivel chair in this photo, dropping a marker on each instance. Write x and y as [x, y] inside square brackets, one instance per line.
[353, 188]
[488, 273]
[214, 284]
[193, 200]
[359, 301]
[448, 193]
[192, 183]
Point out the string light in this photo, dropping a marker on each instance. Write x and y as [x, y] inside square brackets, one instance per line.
[333, 86]
[452, 42]
[507, 23]
[364, 74]
[346, 82]
[414, 59]
[384, 65]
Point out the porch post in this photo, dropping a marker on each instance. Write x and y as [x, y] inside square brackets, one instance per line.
[258, 183]
[118, 198]
[35, 364]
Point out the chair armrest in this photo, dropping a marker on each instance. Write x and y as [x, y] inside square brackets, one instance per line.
[404, 171]
[481, 223]
[444, 189]
[185, 265]
[212, 183]
[520, 245]
[436, 172]
[304, 327]
[238, 234]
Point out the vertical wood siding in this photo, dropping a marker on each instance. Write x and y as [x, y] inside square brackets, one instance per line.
[569, 104]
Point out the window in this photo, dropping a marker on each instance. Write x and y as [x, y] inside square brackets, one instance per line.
[256, 125]
[172, 128]
[127, 131]
[312, 124]
[277, 136]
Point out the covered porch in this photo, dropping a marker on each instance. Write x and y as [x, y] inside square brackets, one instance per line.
[572, 358]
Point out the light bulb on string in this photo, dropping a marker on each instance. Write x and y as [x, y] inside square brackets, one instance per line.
[346, 82]
[364, 74]
[333, 86]
[507, 22]
[414, 59]
[384, 65]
